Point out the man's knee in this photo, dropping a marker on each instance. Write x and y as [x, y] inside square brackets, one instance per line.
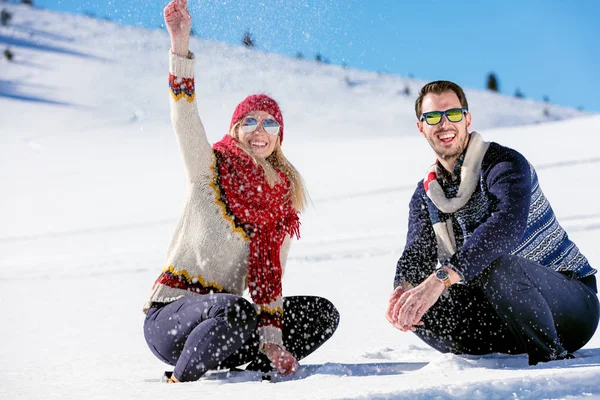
[502, 270]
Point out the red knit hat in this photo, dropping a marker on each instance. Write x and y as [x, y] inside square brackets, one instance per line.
[258, 102]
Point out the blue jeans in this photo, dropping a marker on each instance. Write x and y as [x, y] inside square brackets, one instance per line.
[199, 333]
[515, 306]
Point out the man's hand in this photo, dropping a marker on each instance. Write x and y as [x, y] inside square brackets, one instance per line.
[179, 23]
[283, 360]
[408, 305]
[394, 299]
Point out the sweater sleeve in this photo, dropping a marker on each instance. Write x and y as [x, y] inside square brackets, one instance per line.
[270, 322]
[509, 185]
[419, 257]
[191, 136]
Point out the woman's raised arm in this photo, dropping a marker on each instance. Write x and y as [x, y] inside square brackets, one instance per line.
[196, 151]
[179, 23]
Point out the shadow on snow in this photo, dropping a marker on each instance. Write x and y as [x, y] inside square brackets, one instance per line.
[306, 371]
[12, 90]
[584, 358]
[38, 32]
[32, 44]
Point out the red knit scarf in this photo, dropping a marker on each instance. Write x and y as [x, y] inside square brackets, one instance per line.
[265, 213]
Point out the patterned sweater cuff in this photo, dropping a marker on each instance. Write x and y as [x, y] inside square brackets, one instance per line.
[270, 320]
[448, 264]
[181, 67]
[270, 334]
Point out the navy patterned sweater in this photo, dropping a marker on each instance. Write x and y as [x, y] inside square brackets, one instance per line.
[507, 214]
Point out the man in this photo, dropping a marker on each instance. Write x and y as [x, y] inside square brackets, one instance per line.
[486, 267]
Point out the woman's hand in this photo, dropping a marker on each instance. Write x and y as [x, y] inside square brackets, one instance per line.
[179, 23]
[283, 360]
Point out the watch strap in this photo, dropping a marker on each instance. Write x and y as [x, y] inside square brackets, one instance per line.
[447, 283]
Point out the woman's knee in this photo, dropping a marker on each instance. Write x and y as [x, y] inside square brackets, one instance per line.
[312, 309]
[332, 315]
[242, 313]
[328, 314]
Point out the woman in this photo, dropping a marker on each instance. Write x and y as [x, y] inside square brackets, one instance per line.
[240, 213]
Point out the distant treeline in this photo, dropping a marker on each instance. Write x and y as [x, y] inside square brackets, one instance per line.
[492, 82]
[28, 2]
[5, 17]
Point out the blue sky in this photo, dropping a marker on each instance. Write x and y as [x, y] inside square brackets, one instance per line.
[544, 48]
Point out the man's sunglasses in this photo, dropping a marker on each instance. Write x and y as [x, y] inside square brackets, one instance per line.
[250, 124]
[435, 117]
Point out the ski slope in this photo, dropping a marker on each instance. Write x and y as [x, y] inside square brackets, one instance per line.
[92, 183]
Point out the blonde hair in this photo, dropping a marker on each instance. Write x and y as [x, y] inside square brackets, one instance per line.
[277, 161]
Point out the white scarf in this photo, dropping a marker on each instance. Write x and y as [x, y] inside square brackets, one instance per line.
[469, 179]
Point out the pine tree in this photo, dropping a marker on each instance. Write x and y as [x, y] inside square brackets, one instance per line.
[519, 94]
[248, 40]
[492, 82]
[8, 54]
[5, 17]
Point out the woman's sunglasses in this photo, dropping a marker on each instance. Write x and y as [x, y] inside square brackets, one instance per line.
[271, 126]
[435, 117]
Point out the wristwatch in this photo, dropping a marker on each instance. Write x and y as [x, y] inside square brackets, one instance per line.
[443, 276]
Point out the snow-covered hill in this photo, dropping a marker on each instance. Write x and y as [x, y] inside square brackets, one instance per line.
[92, 183]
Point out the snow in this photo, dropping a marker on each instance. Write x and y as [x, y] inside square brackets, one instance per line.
[92, 183]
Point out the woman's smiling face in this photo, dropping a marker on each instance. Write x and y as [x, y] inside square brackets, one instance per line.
[260, 143]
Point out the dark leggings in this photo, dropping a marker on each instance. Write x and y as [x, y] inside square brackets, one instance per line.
[515, 306]
[199, 333]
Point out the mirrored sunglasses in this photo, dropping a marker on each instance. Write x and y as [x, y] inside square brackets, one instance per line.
[250, 124]
[435, 117]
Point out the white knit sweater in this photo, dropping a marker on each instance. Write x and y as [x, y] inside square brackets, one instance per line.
[206, 247]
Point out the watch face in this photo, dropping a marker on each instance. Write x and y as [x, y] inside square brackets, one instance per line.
[442, 274]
